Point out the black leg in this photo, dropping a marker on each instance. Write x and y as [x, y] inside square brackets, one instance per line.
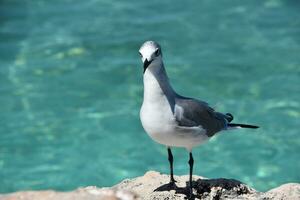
[171, 185]
[191, 163]
[170, 158]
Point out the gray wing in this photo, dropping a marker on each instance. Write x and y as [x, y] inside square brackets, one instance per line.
[191, 112]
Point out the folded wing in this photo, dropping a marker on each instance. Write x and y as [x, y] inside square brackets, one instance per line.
[190, 112]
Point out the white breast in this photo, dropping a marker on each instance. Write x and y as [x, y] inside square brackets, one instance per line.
[157, 116]
[156, 113]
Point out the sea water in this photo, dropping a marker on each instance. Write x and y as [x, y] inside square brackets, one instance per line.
[71, 89]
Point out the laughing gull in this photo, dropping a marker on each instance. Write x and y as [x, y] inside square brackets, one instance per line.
[174, 120]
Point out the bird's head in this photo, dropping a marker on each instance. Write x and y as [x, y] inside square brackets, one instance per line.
[150, 52]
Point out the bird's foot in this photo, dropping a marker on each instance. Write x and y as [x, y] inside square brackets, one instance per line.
[172, 184]
[172, 180]
[167, 187]
[190, 195]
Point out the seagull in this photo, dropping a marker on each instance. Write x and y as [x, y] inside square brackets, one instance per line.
[174, 120]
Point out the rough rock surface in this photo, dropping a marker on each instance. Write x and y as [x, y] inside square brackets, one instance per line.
[153, 186]
[87, 193]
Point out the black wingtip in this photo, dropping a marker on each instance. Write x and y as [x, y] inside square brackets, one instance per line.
[243, 125]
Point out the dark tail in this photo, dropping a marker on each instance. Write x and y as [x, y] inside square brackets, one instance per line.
[242, 125]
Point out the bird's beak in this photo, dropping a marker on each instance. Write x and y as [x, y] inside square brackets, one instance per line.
[146, 64]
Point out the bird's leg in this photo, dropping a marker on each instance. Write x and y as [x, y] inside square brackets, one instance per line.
[170, 158]
[191, 163]
[171, 185]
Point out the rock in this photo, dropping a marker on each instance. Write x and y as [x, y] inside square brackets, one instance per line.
[286, 191]
[88, 193]
[153, 186]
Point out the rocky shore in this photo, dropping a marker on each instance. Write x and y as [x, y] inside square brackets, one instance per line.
[152, 186]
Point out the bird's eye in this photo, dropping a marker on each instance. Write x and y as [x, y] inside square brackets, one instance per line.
[140, 54]
[157, 52]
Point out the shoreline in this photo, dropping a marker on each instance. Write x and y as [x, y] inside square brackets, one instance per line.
[154, 185]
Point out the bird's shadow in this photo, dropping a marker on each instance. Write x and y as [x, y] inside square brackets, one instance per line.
[203, 186]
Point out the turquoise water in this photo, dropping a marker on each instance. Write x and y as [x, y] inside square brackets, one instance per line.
[71, 89]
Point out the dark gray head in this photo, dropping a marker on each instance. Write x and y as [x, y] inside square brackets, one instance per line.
[149, 52]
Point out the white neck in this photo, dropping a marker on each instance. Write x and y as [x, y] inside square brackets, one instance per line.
[156, 83]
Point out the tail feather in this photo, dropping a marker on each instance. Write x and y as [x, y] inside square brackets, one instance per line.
[242, 125]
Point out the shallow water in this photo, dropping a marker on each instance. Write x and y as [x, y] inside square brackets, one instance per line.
[71, 89]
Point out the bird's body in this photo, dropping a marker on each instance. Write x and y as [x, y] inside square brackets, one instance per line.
[160, 114]
[171, 119]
